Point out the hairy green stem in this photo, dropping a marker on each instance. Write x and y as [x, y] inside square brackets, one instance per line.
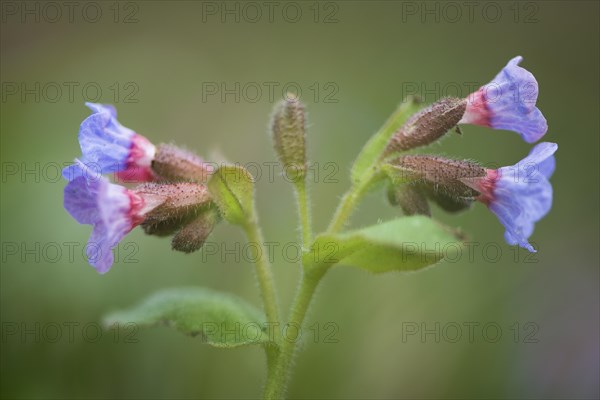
[264, 274]
[280, 362]
[279, 375]
[279, 372]
[304, 212]
[348, 204]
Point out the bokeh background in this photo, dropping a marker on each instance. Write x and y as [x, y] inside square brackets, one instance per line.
[354, 61]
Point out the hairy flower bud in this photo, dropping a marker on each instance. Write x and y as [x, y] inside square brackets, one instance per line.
[443, 174]
[410, 198]
[164, 227]
[182, 202]
[428, 125]
[193, 235]
[446, 202]
[289, 136]
[175, 164]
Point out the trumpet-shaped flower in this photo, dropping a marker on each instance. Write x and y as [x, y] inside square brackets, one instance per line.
[113, 210]
[521, 194]
[109, 147]
[508, 102]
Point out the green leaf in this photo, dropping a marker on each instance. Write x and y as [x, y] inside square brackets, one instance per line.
[371, 153]
[221, 320]
[403, 244]
[232, 188]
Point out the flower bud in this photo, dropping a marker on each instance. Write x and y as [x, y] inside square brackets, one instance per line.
[163, 228]
[443, 174]
[182, 202]
[410, 198]
[428, 125]
[193, 235]
[175, 164]
[446, 202]
[289, 137]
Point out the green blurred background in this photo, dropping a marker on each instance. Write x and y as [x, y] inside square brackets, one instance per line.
[370, 54]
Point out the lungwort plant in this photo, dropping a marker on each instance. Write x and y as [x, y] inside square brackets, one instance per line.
[183, 196]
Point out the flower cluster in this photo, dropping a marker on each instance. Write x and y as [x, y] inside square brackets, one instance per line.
[519, 195]
[173, 199]
[179, 204]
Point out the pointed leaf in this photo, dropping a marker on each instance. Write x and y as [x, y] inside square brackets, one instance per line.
[232, 188]
[221, 319]
[403, 244]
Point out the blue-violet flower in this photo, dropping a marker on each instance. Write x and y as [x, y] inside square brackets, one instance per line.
[519, 195]
[508, 102]
[113, 210]
[109, 147]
